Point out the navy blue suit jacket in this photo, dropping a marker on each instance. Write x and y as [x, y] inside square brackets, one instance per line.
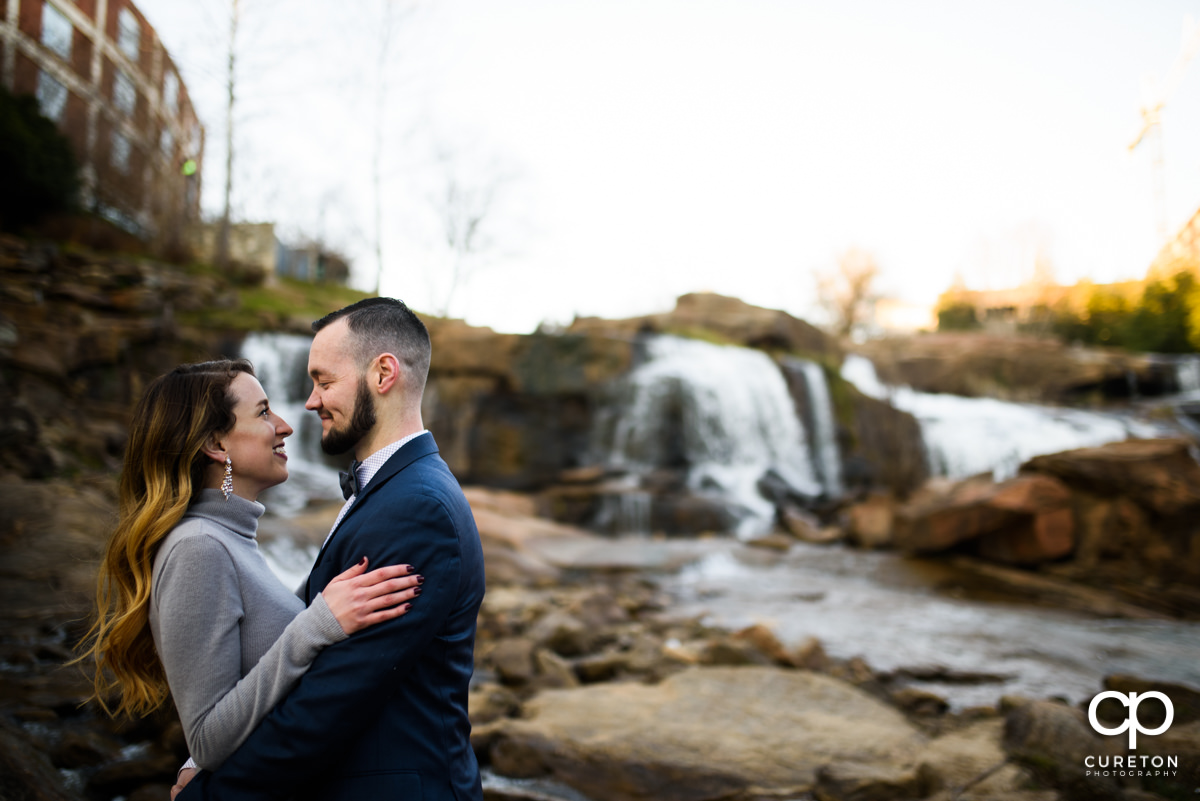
[382, 714]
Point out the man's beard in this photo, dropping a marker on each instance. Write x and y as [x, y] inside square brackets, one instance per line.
[339, 440]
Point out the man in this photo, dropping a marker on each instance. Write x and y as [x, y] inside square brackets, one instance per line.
[382, 714]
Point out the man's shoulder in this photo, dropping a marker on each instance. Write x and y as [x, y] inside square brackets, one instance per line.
[425, 480]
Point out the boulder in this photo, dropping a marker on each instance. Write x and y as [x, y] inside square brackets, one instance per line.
[1182, 741]
[1025, 520]
[805, 526]
[854, 781]
[52, 534]
[921, 703]
[488, 702]
[1159, 475]
[765, 641]
[1185, 701]
[1136, 504]
[881, 446]
[704, 733]
[1048, 536]
[869, 522]
[1016, 368]
[512, 660]
[26, 773]
[971, 758]
[727, 318]
[1053, 741]
[810, 655]
[928, 524]
[774, 541]
[564, 634]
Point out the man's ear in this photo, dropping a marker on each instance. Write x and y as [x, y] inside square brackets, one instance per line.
[386, 373]
[214, 449]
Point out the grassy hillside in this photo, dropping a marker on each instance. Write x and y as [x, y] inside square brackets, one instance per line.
[286, 304]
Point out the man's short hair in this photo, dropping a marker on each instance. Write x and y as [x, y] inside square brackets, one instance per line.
[386, 325]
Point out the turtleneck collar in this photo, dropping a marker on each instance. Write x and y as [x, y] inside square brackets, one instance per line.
[236, 514]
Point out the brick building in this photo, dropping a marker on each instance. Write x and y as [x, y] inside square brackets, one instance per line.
[99, 70]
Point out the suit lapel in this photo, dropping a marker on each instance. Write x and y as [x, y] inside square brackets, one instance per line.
[420, 447]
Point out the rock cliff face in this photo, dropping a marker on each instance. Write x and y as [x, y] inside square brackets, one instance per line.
[79, 337]
[516, 411]
[1016, 368]
[725, 318]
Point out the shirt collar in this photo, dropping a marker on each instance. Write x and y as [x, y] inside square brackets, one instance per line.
[368, 467]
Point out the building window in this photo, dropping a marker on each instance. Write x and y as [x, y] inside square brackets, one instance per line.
[170, 93]
[56, 32]
[120, 152]
[129, 35]
[166, 142]
[124, 93]
[51, 97]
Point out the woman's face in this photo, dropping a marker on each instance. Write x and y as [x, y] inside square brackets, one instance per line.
[255, 443]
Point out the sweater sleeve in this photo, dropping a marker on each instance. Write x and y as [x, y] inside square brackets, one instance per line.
[201, 609]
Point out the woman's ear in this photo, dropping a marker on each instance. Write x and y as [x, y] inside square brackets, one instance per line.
[215, 449]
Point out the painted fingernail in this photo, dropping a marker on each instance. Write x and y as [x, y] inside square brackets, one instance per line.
[416, 591]
[420, 579]
[407, 607]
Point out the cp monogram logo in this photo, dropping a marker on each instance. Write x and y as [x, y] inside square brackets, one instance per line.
[1131, 723]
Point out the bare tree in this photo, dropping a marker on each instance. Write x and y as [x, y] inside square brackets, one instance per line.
[465, 204]
[845, 291]
[387, 34]
[223, 230]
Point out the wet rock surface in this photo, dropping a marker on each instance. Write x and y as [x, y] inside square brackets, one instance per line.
[1014, 368]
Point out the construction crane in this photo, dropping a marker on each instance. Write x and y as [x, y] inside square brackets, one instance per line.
[1154, 99]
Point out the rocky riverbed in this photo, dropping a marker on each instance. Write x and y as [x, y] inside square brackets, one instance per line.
[590, 681]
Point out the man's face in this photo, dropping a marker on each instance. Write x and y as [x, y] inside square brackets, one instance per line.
[341, 396]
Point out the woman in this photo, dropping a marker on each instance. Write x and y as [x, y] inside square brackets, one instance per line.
[185, 600]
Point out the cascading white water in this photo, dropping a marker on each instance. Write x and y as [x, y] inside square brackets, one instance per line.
[826, 456]
[724, 412]
[281, 363]
[968, 436]
[1187, 373]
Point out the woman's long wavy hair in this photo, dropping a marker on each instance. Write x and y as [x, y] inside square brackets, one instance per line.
[163, 473]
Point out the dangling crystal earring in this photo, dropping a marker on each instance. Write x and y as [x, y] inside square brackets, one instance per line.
[227, 482]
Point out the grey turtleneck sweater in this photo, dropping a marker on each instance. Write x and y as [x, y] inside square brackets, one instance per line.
[232, 638]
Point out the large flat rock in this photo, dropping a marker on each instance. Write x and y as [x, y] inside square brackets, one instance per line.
[705, 733]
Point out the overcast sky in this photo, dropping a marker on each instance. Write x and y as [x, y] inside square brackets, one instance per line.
[641, 149]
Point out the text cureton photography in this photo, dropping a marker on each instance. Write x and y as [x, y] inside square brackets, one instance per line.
[1126, 765]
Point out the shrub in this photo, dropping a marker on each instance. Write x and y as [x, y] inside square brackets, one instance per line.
[958, 316]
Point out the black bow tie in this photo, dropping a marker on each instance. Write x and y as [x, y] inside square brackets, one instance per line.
[349, 480]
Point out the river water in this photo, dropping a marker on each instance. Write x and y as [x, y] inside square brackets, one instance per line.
[888, 610]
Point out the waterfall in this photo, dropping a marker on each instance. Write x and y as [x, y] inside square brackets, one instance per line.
[1187, 373]
[723, 413]
[281, 363]
[826, 456]
[968, 436]
[626, 512]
